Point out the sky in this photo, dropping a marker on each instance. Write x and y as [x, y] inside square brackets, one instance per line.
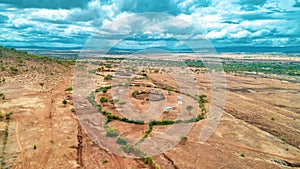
[154, 23]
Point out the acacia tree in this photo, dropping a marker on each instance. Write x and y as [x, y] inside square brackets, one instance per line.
[103, 99]
[135, 93]
[65, 102]
[189, 108]
[42, 85]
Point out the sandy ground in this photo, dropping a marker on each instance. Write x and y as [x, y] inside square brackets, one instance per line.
[246, 128]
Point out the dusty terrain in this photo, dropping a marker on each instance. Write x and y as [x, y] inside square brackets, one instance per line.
[259, 127]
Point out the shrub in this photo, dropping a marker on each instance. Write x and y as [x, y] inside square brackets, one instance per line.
[183, 139]
[243, 155]
[2, 96]
[122, 141]
[147, 160]
[128, 148]
[124, 119]
[3, 68]
[189, 108]
[69, 89]
[178, 121]
[103, 99]
[34, 147]
[116, 100]
[108, 77]
[135, 93]
[7, 115]
[122, 103]
[91, 99]
[138, 122]
[283, 139]
[41, 84]
[199, 117]
[111, 132]
[65, 102]
[105, 161]
[13, 70]
[103, 89]
[202, 99]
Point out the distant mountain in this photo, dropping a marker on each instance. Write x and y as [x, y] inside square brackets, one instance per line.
[250, 49]
[116, 50]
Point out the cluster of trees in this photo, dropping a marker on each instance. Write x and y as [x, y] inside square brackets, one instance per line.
[110, 117]
[13, 70]
[103, 89]
[170, 122]
[163, 122]
[201, 100]
[286, 68]
[110, 132]
[104, 99]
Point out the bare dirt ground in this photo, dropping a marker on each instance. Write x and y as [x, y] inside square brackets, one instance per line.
[259, 127]
[253, 125]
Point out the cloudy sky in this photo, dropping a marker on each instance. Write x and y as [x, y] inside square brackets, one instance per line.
[66, 23]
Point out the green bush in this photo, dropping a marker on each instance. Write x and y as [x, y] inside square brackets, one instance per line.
[69, 89]
[189, 108]
[147, 160]
[243, 155]
[199, 117]
[135, 93]
[121, 141]
[128, 148]
[103, 89]
[13, 70]
[108, 77]
[111, 132]
[91, 99]
[65, 102]
[7, 115]
[103, 99]
[183, 139]
[2, 96]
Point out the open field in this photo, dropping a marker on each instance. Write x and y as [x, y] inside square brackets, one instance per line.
[258, 129]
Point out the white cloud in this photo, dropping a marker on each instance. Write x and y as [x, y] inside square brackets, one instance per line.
[215, 19]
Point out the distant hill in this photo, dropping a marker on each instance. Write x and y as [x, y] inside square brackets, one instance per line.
[74, 51]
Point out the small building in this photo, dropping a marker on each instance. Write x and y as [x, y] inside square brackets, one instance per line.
[168, 108]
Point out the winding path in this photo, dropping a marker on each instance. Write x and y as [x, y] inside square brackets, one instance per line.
[19, 145]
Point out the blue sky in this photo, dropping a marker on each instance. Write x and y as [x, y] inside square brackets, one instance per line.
[65, 23]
